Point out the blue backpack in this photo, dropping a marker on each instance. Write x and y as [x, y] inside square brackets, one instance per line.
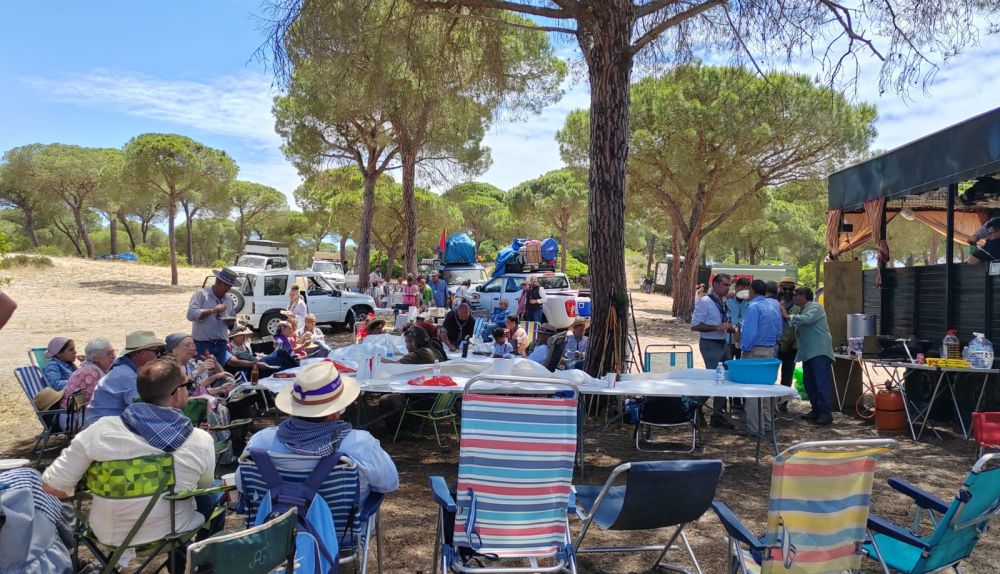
[317, 549]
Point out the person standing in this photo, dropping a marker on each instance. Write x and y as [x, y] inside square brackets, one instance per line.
[374, 277]
[816, 353]
[211, 315]
[711, 322]
[411, 294]
[736, 304]
[761, 330]
[439, 289]
[534, 301]
[786, 343]
[296, 305]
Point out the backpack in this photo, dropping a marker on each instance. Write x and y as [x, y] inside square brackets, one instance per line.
[317, 549]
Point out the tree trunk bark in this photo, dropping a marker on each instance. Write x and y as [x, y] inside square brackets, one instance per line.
[934, 249]
[685, 289]
[29, 227]
[736, 255]
[171, 238]
[128, 231]
[81, 230]
[563, 233]
[362, 257]
[609, 66]
[188, 214]
[650, 254]
[113, 231]
[675, 268]
[343, 248]
[65, 229]
[390, 262]
[409, 160]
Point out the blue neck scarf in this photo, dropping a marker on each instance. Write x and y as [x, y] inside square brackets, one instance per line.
[162, 427]
[312, 438]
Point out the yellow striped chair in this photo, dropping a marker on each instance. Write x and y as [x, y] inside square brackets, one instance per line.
[820, 495]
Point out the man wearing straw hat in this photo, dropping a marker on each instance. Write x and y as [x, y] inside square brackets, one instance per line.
[116, 390]
[315, 400]
[211, 316]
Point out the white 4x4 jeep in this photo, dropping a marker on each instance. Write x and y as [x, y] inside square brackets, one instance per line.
[264, 294]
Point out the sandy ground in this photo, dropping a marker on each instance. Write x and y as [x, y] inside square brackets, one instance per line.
[85, 299]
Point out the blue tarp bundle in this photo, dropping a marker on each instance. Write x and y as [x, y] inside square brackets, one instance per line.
[460, 248]
[550, 249]
[505, 255]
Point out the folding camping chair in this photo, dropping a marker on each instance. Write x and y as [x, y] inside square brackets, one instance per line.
[442, 409]
[957, 526]
[32, 382]
[640, 503]
[339, 490]
[514, 477]
[151, 476]
[258, 550]
[530, 330]
[37, 356]
[820, 495]
[665, 412]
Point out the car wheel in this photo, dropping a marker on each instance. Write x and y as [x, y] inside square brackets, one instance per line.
[353, 315]
[237, 298]
[269, 324]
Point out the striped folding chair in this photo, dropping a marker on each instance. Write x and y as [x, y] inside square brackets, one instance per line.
[37, 356]
[820, 496]
[338, 490]
[530, 329]
[514, 476]
[32, 382]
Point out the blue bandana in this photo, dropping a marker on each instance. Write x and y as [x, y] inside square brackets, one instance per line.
[162, 427]
[312, 438]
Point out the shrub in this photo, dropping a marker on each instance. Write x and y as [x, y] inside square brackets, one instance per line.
[50, 250]
[21, 260]
[576, 269]
[219, 264]
[153, 255]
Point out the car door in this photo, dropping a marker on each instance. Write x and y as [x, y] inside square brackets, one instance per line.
[490, 292]
[275, 293]
[512, 291]
[320, 299]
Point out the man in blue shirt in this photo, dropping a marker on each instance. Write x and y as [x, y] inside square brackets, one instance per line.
[116, 390]
[736, 304]
[711, 322]
[762, 325]
[439, 289]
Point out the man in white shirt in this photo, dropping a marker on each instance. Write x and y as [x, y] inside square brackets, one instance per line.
[154, 426]
[575, 354]
[711, 321]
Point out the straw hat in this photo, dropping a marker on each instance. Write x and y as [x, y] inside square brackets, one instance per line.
[580, 321]
[317, 391]
[787, 281]
[244, 330]
[47, 397]
[139, 340]
[227, 276]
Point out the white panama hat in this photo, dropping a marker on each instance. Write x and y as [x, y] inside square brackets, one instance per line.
[318, 390]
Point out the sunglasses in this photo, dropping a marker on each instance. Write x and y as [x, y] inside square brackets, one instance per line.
[190, 386]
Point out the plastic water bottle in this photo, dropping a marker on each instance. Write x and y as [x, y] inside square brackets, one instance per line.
[720, 375]
[980, 352]
[437, 368]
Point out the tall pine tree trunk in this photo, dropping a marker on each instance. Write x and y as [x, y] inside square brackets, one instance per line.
[81, 230]
[188, 214]
[609, 65]
[409, 160]
[562, 242]
[343, 248]
[362, 256]
[684, 289]
[128, 231]
[171, 238]
[650, 254]
[113, 231]
[29, 227]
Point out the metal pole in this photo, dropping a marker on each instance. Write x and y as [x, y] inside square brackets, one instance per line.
[883, 329]
[949, 254]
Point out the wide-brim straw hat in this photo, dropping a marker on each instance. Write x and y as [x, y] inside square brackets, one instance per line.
[47, 397]
[580, 321]
[139, 340]
[241, 331]
[318, 390]
[787, 281]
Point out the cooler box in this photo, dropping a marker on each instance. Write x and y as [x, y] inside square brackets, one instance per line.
[583, 308]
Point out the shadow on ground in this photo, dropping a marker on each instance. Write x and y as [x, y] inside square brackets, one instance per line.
[133, 287]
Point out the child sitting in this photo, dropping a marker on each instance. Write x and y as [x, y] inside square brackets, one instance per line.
[501, 348]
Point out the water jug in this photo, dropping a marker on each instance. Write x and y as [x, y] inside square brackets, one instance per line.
[980, 352]
[951, 347]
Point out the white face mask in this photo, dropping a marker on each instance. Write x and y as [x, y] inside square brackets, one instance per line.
[744, 294]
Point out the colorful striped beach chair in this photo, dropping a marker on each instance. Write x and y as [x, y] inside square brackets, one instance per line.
[513, 491]
[530, 329]
[820, 495]
[957, 527]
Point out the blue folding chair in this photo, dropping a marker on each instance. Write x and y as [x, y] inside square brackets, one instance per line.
[957, 527]
[665, 412]
[37, 356]
[666, 358]
[32, 382]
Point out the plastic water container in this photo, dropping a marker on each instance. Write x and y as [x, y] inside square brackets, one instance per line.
[980, 352]
[753, 371]
[720, 375]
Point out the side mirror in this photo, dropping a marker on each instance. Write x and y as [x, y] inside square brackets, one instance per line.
[335, 293]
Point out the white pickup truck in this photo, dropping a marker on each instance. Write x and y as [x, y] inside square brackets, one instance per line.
[562, 303]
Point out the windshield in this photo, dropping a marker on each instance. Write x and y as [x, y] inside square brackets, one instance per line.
[553, 282]
[252, 261]
[457, 276]
[327, 267]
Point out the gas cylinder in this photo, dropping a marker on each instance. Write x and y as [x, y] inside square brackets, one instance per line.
[890, 416]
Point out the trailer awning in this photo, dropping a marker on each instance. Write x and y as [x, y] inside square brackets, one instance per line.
[959, 153]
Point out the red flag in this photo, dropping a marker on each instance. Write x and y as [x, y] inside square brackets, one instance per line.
[443, 243]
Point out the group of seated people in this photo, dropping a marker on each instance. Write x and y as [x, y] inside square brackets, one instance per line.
[140, 412]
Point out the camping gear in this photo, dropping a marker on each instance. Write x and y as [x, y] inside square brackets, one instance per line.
[860, 325]
[550, 249]
[753, 371]
[460, 248]
[890, 416]
[533, 252]
[506, 255]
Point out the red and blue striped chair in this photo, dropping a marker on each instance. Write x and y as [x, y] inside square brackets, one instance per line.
[512, 498]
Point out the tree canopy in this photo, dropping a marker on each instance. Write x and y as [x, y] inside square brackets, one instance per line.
[553, 204]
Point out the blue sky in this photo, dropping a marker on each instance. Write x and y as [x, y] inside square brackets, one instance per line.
[97, 73]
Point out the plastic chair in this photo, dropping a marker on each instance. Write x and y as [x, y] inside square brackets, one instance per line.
[37, 356]
[820, 495]
[32, 382]
[986, 430]
[338, 490]
[640, 503]
[258, 550]
[443, 408]
[151, 476]
[514, 478]
[957, 527]
[665, 412]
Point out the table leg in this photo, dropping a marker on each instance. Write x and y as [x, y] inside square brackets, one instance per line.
[906, 407]
[930, 405]
[950, 383]
[772, 406]
[979, 401]
[836, 393]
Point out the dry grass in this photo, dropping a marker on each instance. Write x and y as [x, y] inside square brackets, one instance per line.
[84, 299]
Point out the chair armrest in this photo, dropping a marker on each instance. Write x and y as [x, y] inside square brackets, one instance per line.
[884, 527]
[920, 497]
[442, 496]
[735, 528]
[371, 505]
[192, 492]
[232, 425]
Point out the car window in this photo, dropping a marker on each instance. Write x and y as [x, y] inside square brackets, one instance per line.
[251, 261]
[319, 286]
[457, 276]
[244, 285]
[492, 287]
[277, 263]
[553, 281]
[327, 267]
[514, 284]
[275, 285]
